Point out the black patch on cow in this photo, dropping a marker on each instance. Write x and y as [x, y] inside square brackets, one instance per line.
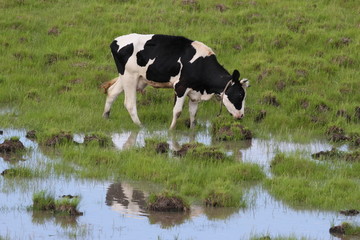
[236, 95]
[166, 50]
[204, 74]
[122, 55]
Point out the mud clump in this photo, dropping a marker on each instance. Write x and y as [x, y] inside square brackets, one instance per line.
[336, 154]
[327, 154]
[270, 100]
[7, 172]
[185, 148]
[280, 85]
[208, 153]
[162, 147]
[260, 116]
[58, 139]
[233, 132]
[31, 134]
[350, 212]
[200, 152]
[11, 146]
[322, 107]
[344, 114]
[336, 134]
[167, 203]
[337, 230]
[54, 31]
[345, 229]
[101, 140]
[343, 61]
[357, 113]
[69, 196]
[357, 142]
[221, 7]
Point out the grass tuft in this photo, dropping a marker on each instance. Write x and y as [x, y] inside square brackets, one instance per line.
[222, 194]
[167, 201]
[305, 183]
[43, 201]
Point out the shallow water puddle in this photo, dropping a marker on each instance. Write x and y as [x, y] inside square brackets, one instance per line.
[117, 210]
[258, 151]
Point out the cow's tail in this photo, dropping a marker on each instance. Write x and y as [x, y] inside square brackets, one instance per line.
[105, 86]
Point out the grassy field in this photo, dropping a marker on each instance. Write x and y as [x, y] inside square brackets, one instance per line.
[301, 57]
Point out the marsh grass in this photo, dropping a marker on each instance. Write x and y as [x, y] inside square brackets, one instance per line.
[305, 183]
[188, 176]
[21, 172]
[301, 58]
[167, 201]
[223, 194]
[44, 201]
[351, 229]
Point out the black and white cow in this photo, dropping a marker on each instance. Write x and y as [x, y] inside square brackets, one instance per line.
[161, 61]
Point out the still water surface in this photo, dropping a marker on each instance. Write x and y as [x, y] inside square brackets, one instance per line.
[116, 210]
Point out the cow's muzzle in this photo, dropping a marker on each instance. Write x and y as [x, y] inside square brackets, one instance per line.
[238, 116]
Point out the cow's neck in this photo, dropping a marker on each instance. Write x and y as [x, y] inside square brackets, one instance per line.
[215, 76]
[217, 83]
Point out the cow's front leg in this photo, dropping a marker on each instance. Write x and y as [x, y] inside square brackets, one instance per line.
[179, 103]
[130, 100]
[193, 106]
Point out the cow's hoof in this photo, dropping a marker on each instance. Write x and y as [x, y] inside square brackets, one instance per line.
[106, 115]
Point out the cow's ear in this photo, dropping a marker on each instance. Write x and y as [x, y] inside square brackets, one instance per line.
[235, 76]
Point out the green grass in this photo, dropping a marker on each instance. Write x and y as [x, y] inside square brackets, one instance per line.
[304, 183]
[301, 58]
[167, 201]
[351, 229]
[44, 201]
[21, 172]
[291, 54]
[189, 176]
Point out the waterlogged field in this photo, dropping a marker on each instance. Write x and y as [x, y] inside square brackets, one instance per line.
[289, 170]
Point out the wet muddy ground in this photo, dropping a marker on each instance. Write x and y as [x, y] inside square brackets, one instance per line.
[114, 210]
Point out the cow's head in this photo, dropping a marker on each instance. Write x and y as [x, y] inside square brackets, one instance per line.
[234, 96]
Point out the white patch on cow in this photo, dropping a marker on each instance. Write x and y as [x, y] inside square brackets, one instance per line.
[193, 106]
[198, 96]
[174, 80]
[231, 108]
[201, 50]
[178, 108]
[245, 83]
[138, 40]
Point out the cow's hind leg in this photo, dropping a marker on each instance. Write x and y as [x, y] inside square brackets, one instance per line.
[112, 93]
[179, 103]
[193, 106]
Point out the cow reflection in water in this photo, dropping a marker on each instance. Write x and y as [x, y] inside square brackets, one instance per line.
[124, 198]
[130, 139]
